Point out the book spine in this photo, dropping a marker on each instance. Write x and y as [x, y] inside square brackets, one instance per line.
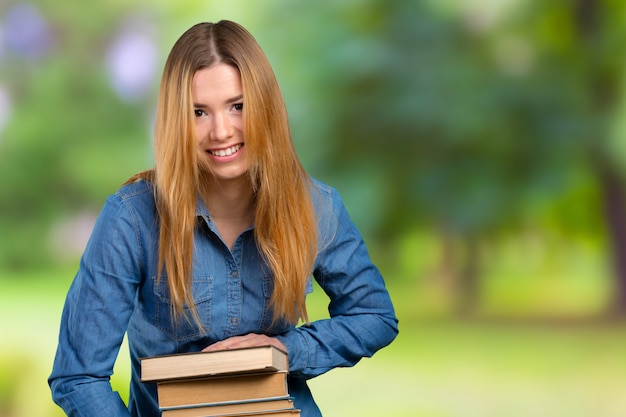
[222, 389]
[285, 398]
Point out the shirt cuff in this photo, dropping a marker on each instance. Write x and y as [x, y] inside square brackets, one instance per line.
[297, 350]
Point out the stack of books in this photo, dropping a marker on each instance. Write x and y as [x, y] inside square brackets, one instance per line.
[236, 382]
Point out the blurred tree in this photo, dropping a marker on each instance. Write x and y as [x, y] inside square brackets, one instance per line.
[81, 83]
[434, 115]
[427, 118]
[70, 140]
[600, 39]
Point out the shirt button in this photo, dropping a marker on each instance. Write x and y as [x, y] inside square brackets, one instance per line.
[234, 320]
[233, 274]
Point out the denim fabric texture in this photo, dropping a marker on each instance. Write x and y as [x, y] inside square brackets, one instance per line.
[116, 293]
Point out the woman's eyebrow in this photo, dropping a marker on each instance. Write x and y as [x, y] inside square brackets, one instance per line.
[234, 99]
[229, 101]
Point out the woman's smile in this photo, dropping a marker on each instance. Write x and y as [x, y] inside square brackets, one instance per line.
[225, 154]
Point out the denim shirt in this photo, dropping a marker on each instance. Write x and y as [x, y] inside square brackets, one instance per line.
[116, 292]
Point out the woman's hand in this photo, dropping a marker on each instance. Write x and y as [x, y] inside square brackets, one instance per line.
[248, 340]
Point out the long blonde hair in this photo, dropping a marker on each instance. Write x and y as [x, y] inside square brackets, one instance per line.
[285, 226]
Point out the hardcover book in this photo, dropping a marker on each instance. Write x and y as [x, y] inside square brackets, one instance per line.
[221, 362]
[233, 408]
[202, 391]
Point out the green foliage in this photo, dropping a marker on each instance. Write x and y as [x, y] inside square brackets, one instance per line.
[423, 123]
[70, 141]
[430, 116]
[465, 123]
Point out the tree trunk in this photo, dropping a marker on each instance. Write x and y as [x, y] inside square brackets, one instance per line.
[469, 276]
[613, 188]
[459, 271]
[604, 85]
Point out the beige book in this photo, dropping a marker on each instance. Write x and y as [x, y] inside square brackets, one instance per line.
[221, 362]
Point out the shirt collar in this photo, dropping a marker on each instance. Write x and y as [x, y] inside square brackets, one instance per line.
[201, 209]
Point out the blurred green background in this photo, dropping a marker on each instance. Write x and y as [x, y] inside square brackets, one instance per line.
[480, 146]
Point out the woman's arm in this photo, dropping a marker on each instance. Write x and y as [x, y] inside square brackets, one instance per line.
[95, 317]
[362, 316]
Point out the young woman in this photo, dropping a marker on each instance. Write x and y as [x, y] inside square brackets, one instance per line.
[215, 247]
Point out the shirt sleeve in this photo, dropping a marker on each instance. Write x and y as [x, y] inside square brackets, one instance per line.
[95, 316]
[362, 318]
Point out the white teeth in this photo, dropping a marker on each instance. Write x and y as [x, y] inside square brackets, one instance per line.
[227, 151]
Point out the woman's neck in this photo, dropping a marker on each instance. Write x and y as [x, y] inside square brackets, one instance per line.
[231, 206]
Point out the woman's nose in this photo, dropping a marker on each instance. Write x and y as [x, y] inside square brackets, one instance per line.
[222, 127]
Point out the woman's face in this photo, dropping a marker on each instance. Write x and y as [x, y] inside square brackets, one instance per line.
[218, 107]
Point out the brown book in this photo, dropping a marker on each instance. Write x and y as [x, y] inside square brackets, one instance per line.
[222, 409]
[276, 413]
[202, 391]
[201, 364]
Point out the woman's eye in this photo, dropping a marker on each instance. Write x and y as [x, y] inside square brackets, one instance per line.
[198, 113]
[238, 106]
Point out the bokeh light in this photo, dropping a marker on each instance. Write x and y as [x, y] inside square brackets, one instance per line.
[26, 31]
[132, 61]
[5, 108]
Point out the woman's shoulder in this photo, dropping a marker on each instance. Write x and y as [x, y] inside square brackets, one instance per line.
[141, 188]
[333, 220]
[138, 195]
[321, 189]
[329, 207]
[324, 195]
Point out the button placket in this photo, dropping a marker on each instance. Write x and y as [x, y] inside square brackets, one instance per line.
[234, 291]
